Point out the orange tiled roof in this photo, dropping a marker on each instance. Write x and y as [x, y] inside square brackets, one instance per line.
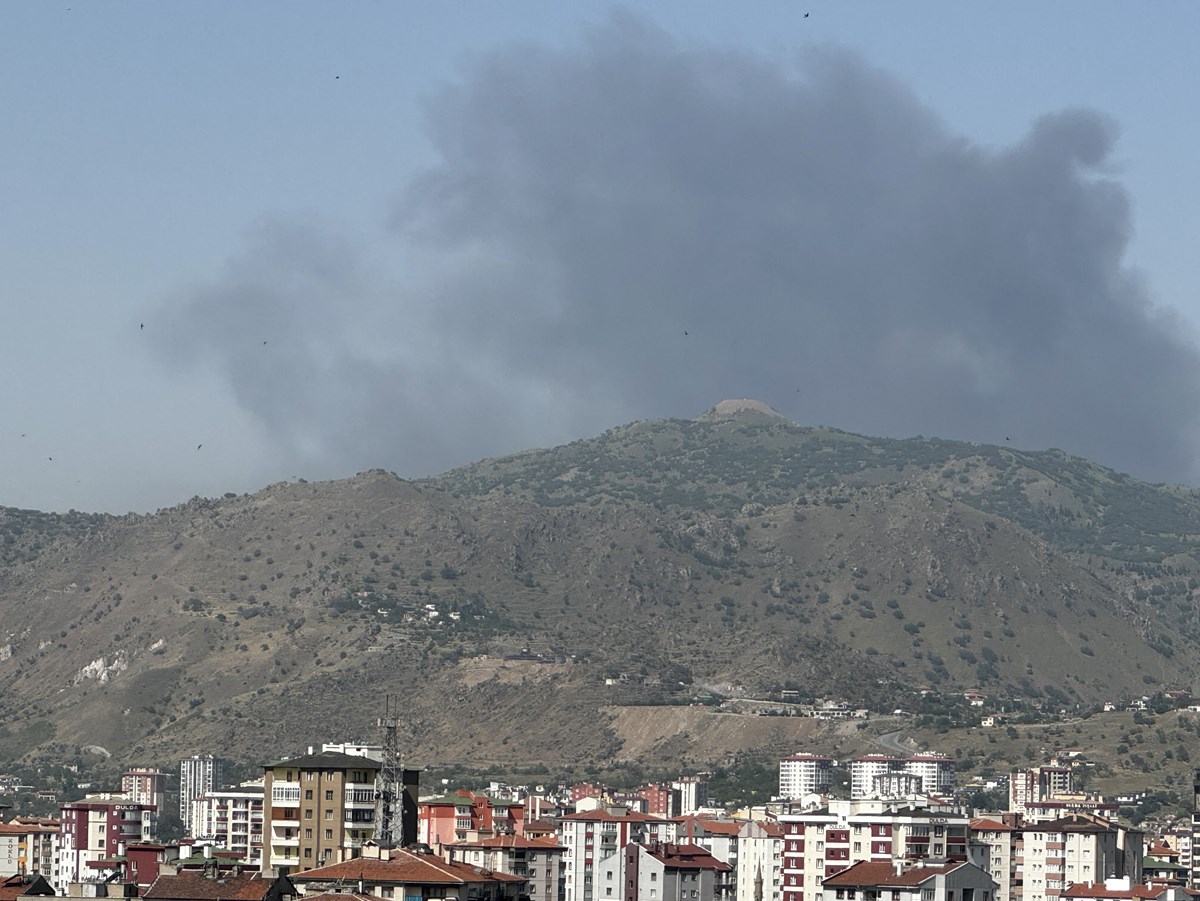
[714, 827]
[986, 824]
[16, 886]
[193, 885]
[685, 857]
[404, 867]
[1098, 890]
[882, 872]
[603, 816]
[525, 842]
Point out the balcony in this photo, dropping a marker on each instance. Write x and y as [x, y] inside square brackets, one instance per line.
[287, 792]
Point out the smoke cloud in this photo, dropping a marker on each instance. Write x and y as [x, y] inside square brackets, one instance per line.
[635, 227]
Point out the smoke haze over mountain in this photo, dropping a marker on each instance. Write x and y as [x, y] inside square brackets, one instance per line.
[635, 227]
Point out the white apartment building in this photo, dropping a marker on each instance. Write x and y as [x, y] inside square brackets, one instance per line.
[232, 819]
[198, 775]
[1043, 783]
[805, 774]
[760, 862]
[817, 844]
[874, 775]
[693, 794]
[1037, 861]
[593, 836]
[663, 872]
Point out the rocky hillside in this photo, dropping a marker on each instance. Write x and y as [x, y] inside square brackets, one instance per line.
[737, 553]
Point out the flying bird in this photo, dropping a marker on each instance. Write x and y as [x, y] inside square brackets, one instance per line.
[198, 446]
[806, 15]
[142, 327]
[264, 344]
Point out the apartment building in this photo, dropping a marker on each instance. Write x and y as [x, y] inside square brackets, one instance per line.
[921, 881]
[1036, 861]
[467, 816]
[540, 860]
[817, 844]
[232, 819]
[198, 775]
[593, 836]
[663, 872]
[805, 774]
[1041, 783]
[318, 809]
[759, 875]
[693, 794]
[406, 875]
[97, 829]
[145, 787]
[37, 841]
[877, 775]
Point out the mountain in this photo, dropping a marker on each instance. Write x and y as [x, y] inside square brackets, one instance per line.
[522, 607]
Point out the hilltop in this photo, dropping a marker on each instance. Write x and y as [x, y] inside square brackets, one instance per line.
[736, 553]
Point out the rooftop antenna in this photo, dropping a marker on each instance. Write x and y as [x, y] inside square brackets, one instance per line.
[387, 789]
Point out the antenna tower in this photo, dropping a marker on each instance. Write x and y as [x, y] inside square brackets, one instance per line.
[387, 790]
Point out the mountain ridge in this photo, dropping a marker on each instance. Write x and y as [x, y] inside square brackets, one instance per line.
[742, 549]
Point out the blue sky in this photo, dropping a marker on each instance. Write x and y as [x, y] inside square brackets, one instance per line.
[146, 143]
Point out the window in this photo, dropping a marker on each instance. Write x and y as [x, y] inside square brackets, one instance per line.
[329, 794]
[308, 813]
[308, 833]
[654, 877]
[329, 814]
[308, 852]
[329, 834]
[308, 794]
[608, 875]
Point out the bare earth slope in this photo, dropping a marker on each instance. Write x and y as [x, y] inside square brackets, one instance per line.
[736, 552]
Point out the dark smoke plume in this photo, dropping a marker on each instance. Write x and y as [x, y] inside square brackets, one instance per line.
[636, 227]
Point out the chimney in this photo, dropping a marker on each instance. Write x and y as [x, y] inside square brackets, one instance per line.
[897, 866]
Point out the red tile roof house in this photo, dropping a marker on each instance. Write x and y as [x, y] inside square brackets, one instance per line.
[22, 886]
[213, 885]
[412, 876]
[881, 880]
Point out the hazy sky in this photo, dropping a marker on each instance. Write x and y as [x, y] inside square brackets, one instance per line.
[241, 243]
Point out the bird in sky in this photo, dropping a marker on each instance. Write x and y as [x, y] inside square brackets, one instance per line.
[264, 344]
[198, 446]
[142, 327]
[685, 333]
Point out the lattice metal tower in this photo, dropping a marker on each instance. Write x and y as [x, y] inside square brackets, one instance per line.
[387, 789]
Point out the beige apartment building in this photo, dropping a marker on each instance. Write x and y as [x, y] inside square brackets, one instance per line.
[318, 810]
